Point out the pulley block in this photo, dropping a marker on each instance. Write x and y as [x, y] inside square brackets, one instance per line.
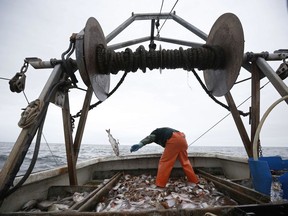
[17, 83]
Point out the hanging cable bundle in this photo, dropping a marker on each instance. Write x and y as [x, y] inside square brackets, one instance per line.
[205, 57]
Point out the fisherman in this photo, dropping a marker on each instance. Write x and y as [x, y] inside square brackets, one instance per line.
[175, 146]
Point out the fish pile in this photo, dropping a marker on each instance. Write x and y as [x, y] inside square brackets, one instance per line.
[139, 193]
[54, 204]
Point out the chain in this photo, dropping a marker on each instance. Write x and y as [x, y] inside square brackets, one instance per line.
[72, 120]
[260, 150]
[24, 68]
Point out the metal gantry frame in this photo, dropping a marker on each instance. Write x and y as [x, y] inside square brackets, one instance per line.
[155, 16]
[258, 66]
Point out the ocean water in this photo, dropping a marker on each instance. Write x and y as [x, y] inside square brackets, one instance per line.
[54, 155]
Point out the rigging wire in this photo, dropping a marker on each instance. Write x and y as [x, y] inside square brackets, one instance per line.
[158, 31]
[240, 81]
[161, 6]
[224, 117]
[3, 78]
[210, 129]
[26, 97]
[187, 81]
[53, 156]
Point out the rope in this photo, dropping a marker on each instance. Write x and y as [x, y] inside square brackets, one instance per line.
[157, 24]
[3, 78]
[26, 98]
[53, 156]
[56, 162]
[99, 102]
[213, 98]
[18, 163]
[29, 115]
[210, 129]
[158, 33]
[205, 57]
[244, 80]
[225, 117]
[161, 6]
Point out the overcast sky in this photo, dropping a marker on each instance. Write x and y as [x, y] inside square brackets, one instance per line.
[144, 101]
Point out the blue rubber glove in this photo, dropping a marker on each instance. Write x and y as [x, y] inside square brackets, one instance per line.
[136, 147]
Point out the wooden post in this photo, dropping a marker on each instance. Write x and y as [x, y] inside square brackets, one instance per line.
[21, 146]
[255, 101]
[82, 122]
[240, 126]
[69, 142]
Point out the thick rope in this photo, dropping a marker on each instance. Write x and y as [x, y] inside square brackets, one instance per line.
[213, 98]
[99, 102]
[205, 57]
[30, 114]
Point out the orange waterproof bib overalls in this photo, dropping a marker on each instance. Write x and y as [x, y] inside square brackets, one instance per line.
[176, 147]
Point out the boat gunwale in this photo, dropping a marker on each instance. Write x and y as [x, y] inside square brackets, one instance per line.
[42, 175]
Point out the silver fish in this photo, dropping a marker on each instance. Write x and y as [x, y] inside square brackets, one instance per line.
[114, 143]
[29, 205]
[77, 197]
[57, 207]
[45, 204]
[100, 207]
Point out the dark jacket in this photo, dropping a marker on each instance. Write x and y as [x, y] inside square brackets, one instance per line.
[159, 136]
